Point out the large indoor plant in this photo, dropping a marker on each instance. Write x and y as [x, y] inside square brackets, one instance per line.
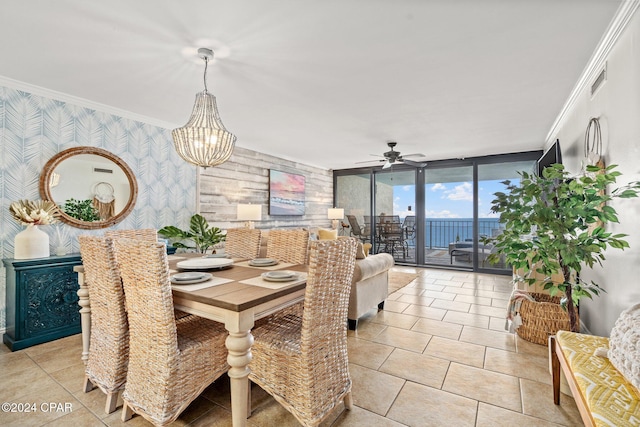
[565, 217]
[200, 233]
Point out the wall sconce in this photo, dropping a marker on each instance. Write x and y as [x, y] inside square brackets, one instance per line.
[249, 213]
[335, 214]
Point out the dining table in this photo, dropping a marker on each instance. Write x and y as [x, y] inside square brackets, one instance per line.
[237, 296]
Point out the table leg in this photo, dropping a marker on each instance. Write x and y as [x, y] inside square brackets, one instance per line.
[85, 316]
[238, 344]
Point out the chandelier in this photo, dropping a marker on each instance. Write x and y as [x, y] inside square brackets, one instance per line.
[204, 141]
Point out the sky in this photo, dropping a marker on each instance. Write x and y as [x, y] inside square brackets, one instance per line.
[448, 200]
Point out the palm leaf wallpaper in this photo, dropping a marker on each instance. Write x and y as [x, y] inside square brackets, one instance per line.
[34, 128]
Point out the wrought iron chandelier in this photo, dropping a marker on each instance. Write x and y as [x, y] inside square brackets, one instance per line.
[204, 141]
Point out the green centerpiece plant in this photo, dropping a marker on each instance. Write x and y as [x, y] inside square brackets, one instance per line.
[200, 233]
[566, 218]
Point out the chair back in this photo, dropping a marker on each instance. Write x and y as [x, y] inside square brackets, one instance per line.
[109, 344]
[326, 302]
[146, 234]
[288, 245]
[355, 227]
[153, 348]
[243, 243]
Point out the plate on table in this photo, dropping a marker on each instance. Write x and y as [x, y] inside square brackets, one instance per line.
[204, 263]
[179, 278]
[214, 256]
[279, 276]
[263, 262]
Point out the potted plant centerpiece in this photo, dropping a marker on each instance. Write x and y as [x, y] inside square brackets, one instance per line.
[566, 218]
[200, 233]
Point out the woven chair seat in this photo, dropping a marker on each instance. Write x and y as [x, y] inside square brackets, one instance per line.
[301, 360]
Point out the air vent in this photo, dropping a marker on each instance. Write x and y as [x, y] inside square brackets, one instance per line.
[103, 170]
[599, 81]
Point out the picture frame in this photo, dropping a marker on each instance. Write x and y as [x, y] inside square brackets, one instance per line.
[286, 193]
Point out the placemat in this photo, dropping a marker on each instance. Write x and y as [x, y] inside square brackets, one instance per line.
[259, 281]
[278, 266]
[197, 286]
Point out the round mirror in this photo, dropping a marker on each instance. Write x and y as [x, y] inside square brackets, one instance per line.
[92, 187]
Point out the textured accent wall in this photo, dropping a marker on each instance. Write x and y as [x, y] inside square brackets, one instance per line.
[34, 128]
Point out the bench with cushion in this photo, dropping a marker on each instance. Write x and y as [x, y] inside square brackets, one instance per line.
[603, 373]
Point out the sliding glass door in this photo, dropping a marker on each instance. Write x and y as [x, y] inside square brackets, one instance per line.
[439, 215]
[448, 207]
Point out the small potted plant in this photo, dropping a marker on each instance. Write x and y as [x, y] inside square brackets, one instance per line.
[566, 216]
[200, 233]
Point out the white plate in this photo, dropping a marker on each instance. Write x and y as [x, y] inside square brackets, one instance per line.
[279, 276]
[263, 264]
[203, 263]
[188, 276]
[204, 278]
[214, 256]
[263, 261]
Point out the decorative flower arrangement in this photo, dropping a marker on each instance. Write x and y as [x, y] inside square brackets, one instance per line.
[38, 212]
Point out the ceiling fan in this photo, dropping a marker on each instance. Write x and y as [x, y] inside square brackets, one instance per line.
[392, 156]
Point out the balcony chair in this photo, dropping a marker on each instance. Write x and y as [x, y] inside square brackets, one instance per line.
[243, 243]
[356, 230]
[302, 360]
[170, 363]
[288, 245]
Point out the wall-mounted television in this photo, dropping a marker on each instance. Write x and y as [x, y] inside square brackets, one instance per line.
[551, 156]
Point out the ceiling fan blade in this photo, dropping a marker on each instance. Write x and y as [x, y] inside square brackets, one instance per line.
[415, 164]
[371, 161]
[414, 155]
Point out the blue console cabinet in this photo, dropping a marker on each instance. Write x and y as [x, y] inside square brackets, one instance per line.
[42, 300]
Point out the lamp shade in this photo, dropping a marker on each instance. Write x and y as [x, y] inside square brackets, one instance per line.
[248, 212]
[335, 213]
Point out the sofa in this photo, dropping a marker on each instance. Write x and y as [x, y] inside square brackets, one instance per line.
[369, 287]
[370, 283]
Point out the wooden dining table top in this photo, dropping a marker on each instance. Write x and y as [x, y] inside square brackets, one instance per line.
[235, 296]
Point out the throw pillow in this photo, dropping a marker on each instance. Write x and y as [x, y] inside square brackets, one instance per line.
[624, 345]
[324, 234]
[367, 248]
[360, 251]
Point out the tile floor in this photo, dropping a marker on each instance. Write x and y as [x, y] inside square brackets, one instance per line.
[437, 355]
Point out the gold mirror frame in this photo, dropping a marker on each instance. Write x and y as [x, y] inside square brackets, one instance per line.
[55, 161]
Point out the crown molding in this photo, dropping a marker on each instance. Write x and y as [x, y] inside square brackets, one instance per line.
[60, 96]
[596, 62]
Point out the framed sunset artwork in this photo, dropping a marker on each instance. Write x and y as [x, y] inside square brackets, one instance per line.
[286, 193]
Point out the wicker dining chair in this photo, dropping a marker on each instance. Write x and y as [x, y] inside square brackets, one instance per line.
[302, 361]
[288, 245]
[106, 367]
[243, 243]
[170, 363]
[146, 234]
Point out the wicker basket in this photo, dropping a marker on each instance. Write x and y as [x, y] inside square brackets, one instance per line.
[541, 318]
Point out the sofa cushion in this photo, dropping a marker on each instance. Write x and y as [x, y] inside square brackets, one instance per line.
[372, 265]
[360, 251]
[624, 345]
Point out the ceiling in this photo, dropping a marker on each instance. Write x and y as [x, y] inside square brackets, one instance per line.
[325, 83]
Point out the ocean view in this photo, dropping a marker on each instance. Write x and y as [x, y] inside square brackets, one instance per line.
[439, 232]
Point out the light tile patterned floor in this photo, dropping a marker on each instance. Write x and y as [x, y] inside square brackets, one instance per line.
[437, 355]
